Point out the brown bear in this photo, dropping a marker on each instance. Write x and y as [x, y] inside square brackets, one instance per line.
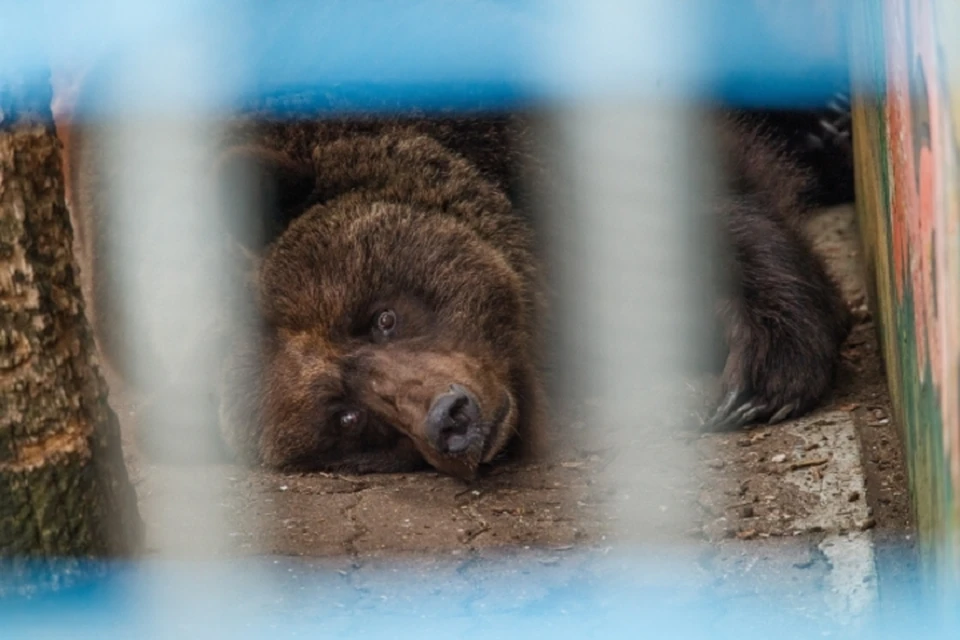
[400, 307]
[396, 296]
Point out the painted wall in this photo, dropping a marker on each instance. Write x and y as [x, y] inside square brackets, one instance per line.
[906, 124]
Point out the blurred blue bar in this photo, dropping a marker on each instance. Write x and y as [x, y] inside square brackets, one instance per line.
[432, 54]
[641, 598]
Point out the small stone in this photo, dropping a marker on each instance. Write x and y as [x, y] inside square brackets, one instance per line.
[869, 523]
[780, 457]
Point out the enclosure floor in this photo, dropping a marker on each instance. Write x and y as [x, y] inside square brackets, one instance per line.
[814, 511]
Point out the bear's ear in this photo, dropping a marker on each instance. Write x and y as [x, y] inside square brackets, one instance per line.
[265, 191]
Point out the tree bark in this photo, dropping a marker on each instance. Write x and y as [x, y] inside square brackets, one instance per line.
[64, 490]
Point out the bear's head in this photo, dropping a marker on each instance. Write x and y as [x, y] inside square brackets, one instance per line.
[390, 330]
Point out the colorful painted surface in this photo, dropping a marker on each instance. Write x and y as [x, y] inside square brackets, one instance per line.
[908, 189]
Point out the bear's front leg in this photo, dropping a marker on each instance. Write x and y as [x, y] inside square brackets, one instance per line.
[784, 324]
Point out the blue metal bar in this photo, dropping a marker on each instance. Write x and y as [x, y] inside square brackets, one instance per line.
[298, 598]
[430, 54]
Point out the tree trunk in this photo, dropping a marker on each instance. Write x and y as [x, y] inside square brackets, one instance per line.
[64, 490]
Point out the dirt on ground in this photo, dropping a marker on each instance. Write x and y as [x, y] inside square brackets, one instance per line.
[759, 510]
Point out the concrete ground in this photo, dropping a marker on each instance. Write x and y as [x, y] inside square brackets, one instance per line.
[812, 514]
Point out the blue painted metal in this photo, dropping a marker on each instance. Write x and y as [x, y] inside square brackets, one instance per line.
[437, 55]
[279, 598]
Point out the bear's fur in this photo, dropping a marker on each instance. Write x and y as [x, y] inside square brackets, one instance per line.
[398, 222]
[785, 320]
[820, 141]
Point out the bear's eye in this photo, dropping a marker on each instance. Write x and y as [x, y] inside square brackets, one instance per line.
[385, 323]
[352, 419]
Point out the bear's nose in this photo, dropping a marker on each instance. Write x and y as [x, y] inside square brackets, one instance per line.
[453, 420]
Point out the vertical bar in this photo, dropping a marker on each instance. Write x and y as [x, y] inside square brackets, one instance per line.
[160, 150]
[626, 232]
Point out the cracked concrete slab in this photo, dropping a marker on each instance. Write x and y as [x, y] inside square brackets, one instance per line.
[826, 463]
[806, 506]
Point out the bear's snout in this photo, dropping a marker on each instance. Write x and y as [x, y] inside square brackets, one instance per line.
[453, 421]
